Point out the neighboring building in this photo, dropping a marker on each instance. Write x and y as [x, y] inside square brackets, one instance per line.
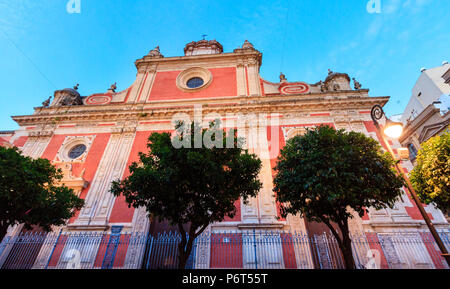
[95, 138]
[428, 111]
[431, 85]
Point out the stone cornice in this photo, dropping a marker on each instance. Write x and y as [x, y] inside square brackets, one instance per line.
[250, 56]
[154, 111]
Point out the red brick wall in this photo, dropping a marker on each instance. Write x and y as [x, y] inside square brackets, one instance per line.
[223, 84]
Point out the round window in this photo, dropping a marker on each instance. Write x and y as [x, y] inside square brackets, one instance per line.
[77, 151]
[195, 82]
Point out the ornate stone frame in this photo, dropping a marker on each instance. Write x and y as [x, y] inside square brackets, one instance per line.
[290, 132]
[189, 73]
[69, 143]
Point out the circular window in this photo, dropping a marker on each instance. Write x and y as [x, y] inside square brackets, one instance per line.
[194, 82]
[77, 151]
[194, 79]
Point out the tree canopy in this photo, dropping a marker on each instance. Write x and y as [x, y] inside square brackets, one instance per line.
[191, 186]
[431, 176]
[326, 171]
[30, 193]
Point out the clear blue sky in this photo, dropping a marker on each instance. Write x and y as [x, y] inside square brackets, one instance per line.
[44, 48]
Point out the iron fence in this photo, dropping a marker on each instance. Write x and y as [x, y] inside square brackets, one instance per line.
[218, 250]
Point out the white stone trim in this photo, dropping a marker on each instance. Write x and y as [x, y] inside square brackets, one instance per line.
[69, 143]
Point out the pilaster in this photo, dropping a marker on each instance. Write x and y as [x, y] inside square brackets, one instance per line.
[99, 201]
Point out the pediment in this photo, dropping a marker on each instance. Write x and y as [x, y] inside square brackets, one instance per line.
[433, 129]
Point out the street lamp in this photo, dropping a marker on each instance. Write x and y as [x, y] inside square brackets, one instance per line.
[394, 130]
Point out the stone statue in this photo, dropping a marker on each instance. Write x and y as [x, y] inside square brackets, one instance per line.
[155, 53]
[322, 85]
[282, 77]
[47, 102]
[357, 84]
[113, 87]
[247, 45]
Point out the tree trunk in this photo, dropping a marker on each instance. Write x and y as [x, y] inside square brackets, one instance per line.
[345, 243]
[346, 249]
[182, 259]
[184, 250]
[185, 246]
[346, 246]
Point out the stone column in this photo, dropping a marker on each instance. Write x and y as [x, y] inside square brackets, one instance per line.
[37, 142]
[138, 241]
[253, 78]
[241, 80]
[267, 204]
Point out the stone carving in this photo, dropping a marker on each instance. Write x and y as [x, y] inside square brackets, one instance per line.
[357, 85]
[323, 87]
[70, 142]
[155, 53]
[71, 181]
[47, 102]
[337, 81]
[97, 99]
[293, 87]
[203, 47]
[39, 134]
[203, 250]
[247, 45]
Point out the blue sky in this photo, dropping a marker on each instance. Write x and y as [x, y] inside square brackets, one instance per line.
[43, 48]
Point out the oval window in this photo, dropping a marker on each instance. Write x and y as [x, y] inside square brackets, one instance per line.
[77, 151]
[195, 82]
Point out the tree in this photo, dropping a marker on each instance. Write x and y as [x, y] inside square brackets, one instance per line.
[29, 193]
[188, 184]
[326, 171]
[431, 176]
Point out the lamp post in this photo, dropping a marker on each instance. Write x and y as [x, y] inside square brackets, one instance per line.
[395, 130]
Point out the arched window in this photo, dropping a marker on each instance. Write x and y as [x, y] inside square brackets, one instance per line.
[412, 152]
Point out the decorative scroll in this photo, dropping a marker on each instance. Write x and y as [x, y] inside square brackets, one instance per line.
[98, 99]
[294, 88]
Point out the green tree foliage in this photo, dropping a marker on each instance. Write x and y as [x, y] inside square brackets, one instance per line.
[431, 176]
[29, 193]
[326, 171]
[194, 185]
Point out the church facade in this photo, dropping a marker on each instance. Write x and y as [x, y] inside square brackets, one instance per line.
[95, 138]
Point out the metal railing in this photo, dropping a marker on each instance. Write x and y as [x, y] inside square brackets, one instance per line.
[218, 250]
